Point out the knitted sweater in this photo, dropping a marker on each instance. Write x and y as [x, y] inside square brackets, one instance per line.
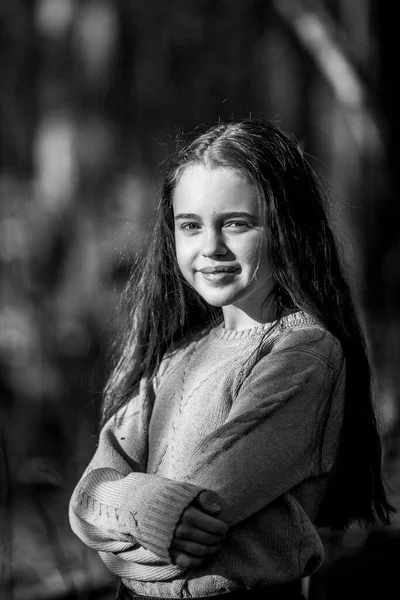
[236, 412]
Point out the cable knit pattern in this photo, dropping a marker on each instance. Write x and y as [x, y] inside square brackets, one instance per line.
[235, 413]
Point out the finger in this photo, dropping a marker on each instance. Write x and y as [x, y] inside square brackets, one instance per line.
[206, 503]
[200, 520]
[185, 560]
[188, 532]
[192, 548]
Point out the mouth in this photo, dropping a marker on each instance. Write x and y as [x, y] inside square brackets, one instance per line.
[220, 275]
[217, 270]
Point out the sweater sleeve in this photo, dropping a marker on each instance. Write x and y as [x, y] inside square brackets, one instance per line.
[116, 506]
[270, 441]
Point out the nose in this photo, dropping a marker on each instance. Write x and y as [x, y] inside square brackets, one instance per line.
[213, 244]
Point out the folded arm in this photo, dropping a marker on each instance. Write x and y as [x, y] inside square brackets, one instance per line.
[268, 444]
[116, 507]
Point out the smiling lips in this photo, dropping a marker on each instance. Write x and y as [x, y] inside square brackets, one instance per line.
[218, 275]
[217, 270]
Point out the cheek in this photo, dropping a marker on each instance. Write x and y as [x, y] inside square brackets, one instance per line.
[258, 260]
[254, 254]
[182, 255]
[265, 271]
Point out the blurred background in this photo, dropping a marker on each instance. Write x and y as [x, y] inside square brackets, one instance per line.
[93, 95]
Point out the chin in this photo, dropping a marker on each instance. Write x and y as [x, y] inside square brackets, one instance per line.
[217, 301]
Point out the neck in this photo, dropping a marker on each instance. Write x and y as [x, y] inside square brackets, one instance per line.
[237, 318]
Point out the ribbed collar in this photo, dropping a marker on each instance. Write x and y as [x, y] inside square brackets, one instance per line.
[292, 320]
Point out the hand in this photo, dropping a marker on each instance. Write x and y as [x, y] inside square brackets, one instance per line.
[199, 534]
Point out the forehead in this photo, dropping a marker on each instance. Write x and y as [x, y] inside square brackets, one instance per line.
[201, 189]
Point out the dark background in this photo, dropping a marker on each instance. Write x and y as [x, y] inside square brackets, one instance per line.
[93, 94]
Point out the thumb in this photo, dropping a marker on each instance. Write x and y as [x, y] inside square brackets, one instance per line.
[207, 503]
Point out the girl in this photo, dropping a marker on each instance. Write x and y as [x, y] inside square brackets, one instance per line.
[230, 420]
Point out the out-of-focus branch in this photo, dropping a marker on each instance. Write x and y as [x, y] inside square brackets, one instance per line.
[317, 33]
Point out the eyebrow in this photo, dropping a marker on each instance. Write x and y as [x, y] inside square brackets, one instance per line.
[227, 215]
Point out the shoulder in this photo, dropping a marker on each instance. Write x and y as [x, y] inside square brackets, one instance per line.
[297, 355]
[305, 336]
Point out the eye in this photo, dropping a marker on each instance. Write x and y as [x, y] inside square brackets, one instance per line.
[190, 226]
[240, 225]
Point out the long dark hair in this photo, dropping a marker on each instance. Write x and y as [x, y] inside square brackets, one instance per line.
[308, 275]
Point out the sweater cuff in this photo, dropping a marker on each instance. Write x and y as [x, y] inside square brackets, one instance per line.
[161, 514]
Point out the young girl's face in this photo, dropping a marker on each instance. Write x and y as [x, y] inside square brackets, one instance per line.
[220, 240]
